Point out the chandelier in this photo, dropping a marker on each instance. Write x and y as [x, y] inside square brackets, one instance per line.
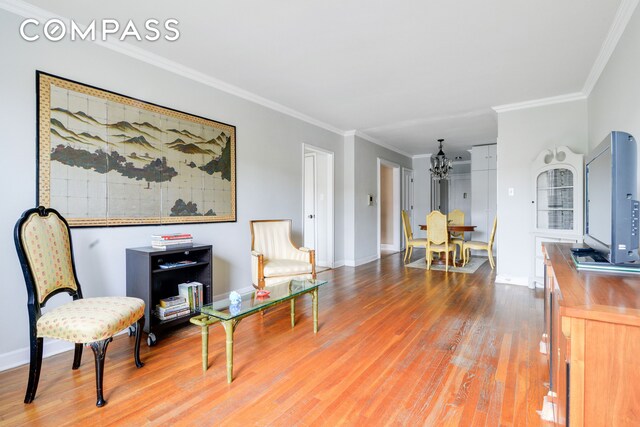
[440, 165]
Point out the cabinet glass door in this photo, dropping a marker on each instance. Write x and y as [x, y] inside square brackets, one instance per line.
[555, 199]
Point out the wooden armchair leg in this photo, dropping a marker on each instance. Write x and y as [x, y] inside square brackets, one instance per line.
[99, 352]
[136, 348]
[77, 356]
[34, 369]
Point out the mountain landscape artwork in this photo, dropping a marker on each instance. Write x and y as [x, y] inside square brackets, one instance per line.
[106, 159]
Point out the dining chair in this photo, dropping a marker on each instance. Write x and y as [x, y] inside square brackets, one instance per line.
[438, 238]
[481, 246]
[43, 242]
[456, 217]
[410, 241]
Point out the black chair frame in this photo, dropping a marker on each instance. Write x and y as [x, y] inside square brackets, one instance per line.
[33, 305]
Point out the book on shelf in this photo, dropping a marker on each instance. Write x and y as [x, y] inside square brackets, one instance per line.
[172, 245]
[165, 311]
[172, 301]
[174, 236]
[192, 292]
[174, 315]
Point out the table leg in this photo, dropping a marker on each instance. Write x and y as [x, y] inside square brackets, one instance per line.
[205, 347]
[229, 328]
[293, 312]
[314, 297]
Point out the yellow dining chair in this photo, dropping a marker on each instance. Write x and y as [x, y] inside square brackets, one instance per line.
[438, 238]
[481, 246]
[410, 241]
[43, 242]
[456, 217]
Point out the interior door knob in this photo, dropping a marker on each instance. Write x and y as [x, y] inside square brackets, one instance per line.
[311, 216]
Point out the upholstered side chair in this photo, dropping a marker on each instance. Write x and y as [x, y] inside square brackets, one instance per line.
[43, 242]
[438, 238]
[456, 217]
[274, 257]
[481, 246]
[410, 241]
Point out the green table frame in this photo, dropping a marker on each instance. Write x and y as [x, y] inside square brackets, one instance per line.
[205, 320]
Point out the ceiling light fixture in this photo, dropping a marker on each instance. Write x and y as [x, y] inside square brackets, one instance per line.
[440, 165]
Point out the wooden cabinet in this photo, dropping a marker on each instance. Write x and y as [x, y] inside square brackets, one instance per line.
[484, 157]
[148, 281]
[592, 323]
[483, 190]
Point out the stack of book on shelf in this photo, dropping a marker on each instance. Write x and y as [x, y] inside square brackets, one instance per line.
[192, 292]
[172, 307]
[171, 241]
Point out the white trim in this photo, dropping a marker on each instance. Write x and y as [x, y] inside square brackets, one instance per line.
[625, 11]
[463, 162]
[339, 263]
[568, 97]
[360, 261]
[27, 10]
[421, 156]
[373, 140]
[386, 247]
[512, 280]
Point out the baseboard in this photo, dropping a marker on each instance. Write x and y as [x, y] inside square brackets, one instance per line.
[338, 264]
[52, 347]
[512, 280]
[360, 261]
[21, 356]
[386, 247]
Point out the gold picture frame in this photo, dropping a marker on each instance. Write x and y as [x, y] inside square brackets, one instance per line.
[106, 159]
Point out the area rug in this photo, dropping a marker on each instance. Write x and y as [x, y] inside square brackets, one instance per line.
[471, 267]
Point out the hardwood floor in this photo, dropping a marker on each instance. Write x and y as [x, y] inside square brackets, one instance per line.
[396, 346]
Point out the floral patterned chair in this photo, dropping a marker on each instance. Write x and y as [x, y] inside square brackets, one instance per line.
[43, 243]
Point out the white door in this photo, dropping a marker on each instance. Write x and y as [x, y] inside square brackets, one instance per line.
[310, 201]
[407, 196]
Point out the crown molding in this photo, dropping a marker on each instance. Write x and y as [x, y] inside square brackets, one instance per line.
[373, 140]
[569, 97]
[620, 21]
[421, 156]
[26, 10]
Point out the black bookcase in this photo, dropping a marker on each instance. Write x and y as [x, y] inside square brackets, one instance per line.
[146, 280]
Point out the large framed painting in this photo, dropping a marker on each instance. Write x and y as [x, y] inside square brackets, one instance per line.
[106, 159]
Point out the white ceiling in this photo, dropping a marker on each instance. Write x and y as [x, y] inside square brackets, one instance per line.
[403, 72]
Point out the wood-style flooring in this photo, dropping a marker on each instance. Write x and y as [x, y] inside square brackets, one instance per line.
[396, 346]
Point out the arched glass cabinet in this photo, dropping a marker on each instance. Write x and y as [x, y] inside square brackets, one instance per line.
[557, 200]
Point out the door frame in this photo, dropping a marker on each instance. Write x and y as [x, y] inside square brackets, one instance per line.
[407, 192]
[397, 241]
[330, 202]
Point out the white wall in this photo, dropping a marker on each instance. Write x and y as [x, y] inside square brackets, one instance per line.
[522, 134]
[422, 193]
[366, 157]
[269, 170]
[614, 103]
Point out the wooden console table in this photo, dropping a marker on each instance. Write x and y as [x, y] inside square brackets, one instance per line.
[592, 335]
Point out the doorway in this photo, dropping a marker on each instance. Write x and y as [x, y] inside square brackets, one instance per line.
[317, 199]
[440, 195]
[388, 207]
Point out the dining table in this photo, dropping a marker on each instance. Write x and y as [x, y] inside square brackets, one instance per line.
[451, 228]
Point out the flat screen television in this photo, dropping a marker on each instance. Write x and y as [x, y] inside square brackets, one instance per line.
[611, 208]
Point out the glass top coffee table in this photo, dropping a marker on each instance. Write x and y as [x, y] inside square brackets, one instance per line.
[230, 315]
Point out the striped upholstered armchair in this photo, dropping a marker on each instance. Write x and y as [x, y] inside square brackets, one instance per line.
[274, 257]
[43, 243]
